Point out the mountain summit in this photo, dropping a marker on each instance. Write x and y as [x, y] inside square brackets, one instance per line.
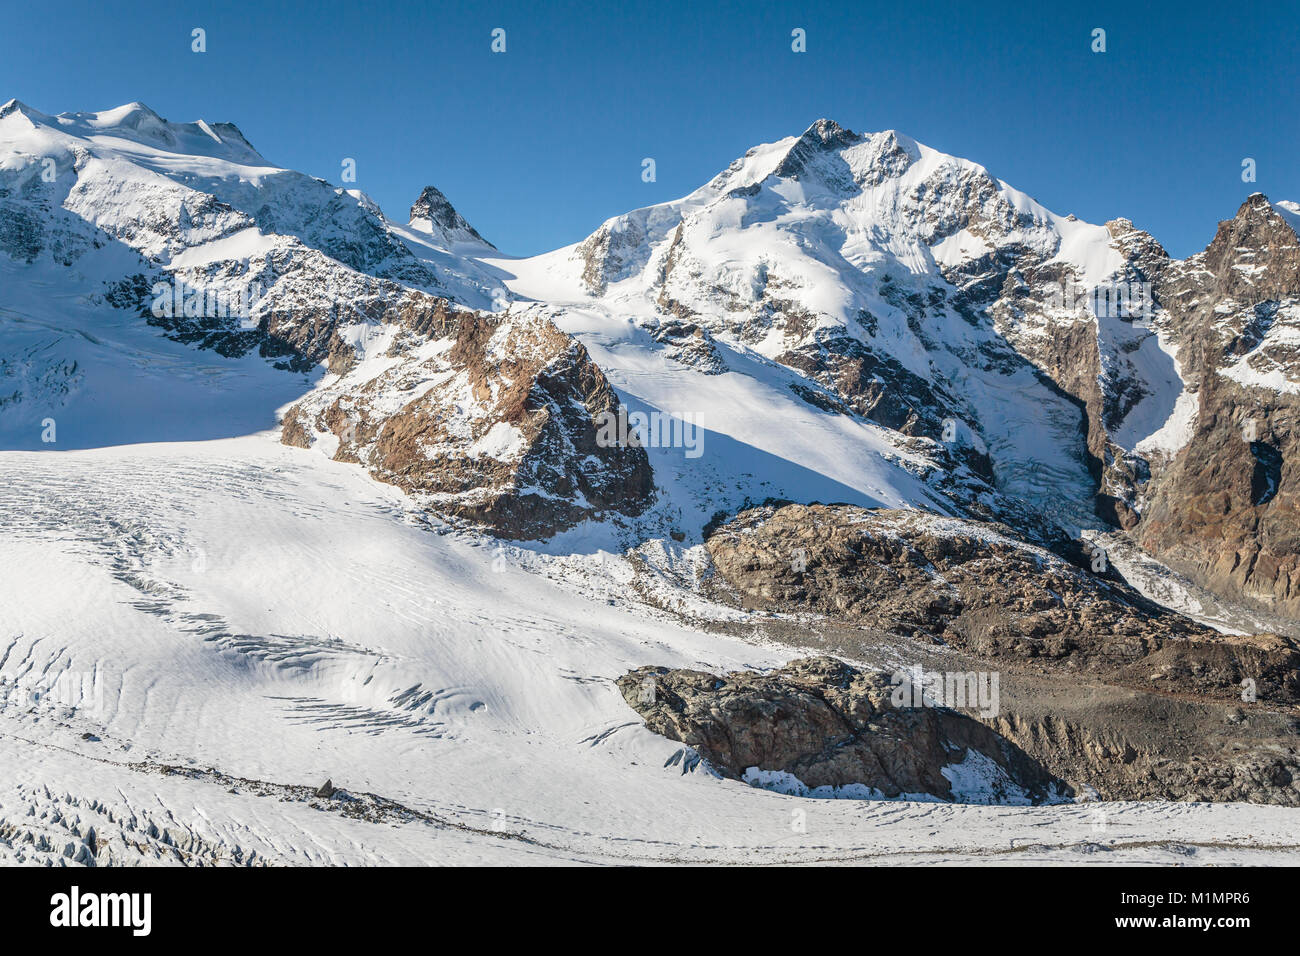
[434, 213]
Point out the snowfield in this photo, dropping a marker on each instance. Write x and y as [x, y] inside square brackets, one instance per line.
[197, 635]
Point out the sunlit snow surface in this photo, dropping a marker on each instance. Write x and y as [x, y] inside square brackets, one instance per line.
[244, 608]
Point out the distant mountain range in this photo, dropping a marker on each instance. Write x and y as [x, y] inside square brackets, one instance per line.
[954, 344]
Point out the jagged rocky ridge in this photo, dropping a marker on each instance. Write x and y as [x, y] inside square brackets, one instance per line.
[1224, 508]
[434, 213]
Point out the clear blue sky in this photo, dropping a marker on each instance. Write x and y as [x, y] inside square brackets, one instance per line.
[537, 146]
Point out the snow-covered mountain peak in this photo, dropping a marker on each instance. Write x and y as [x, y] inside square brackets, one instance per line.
[828, 133]
[160, 187]
[825, 155]
[137, 123]
[433, 213]
[881, 271]
[847, 163]
[15, 106]
[822, 137]
[129, 127]
[130, 115]
[858, 204]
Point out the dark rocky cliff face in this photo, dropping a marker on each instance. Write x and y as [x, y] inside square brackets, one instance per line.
[1223, 510]
[1226, 509]
[434, 208]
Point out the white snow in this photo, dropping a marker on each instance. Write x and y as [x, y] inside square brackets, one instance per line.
[251, 609]
[503, 441]
[827, 242]
[1290, 211]
[1163, 421]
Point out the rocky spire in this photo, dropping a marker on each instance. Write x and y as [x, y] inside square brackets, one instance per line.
[435, 209]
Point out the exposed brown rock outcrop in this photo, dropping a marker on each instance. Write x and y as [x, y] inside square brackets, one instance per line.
[499, 428]
[1130, 744]
[827, 724]
[976, 587]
